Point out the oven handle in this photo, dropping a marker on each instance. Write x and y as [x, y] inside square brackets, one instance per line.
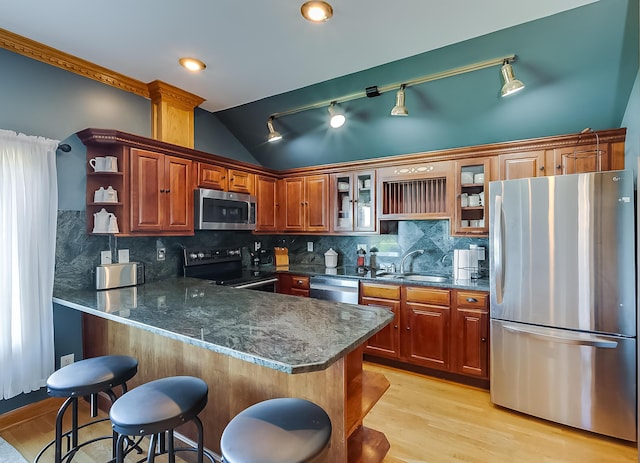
[256, 284]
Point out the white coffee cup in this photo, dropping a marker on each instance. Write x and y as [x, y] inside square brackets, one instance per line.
[464, 200]
[475, 223]
[481, 195]
[478, 178]
[474, 200]
[98, 164]
[111, 164]
[464, 223]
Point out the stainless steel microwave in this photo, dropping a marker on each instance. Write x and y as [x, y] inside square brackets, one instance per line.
[222, 210]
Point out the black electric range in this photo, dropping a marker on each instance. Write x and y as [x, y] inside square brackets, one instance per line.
[224, 267]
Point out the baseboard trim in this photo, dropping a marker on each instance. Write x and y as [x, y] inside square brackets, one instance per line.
[29, 412]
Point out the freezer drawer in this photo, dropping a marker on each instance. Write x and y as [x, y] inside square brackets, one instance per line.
[578, 379]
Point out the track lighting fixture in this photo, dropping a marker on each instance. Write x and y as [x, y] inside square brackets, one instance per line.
[317, 11]
[400, 109]
[274, 135]
[511, 84]
[337, 117]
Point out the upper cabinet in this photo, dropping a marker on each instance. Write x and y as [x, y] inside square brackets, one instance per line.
[418, 191]
[304, 203]
[217, 177]
[472, 177]
[161, 193]
[353, 201]
[267, 204]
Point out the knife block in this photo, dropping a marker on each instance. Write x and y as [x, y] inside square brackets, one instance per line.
[281, 256]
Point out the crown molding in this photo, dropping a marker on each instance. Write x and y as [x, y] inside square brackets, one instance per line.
[162, 90]
[40, 52]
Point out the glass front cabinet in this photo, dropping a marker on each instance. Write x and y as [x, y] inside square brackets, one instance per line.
[353, 201]
[472, 188]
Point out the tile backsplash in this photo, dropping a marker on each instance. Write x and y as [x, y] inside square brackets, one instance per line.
[77, 253]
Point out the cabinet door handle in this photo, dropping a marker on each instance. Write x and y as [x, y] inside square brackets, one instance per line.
[541, 167]
[483, 339]
[395, 327]
[408, 328]
[161, 191]
[559, 167]
[472, 299]
[168, 191]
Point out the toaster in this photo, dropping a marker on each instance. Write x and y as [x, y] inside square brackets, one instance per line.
[109, 276]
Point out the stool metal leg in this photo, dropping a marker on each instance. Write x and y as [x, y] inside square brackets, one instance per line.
[170, 449]
[198, 424]
[58, 439]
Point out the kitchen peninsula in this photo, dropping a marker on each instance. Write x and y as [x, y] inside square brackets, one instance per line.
[248, 346]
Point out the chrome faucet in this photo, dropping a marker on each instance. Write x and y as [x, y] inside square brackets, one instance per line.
[404, 258]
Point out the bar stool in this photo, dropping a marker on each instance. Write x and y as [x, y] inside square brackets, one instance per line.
[156, 408]
[285, 430]
[87, 377]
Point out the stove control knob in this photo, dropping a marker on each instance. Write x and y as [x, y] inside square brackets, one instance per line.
[193, 256]
[201, 255]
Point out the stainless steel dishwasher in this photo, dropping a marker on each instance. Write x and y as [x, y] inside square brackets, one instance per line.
[334, 289]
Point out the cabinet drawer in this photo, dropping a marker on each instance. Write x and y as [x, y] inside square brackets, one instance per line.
[380, 291]
[300, 282]
[472, 299]
[427, 295]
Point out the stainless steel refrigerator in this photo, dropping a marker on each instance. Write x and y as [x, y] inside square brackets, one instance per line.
[563, 299]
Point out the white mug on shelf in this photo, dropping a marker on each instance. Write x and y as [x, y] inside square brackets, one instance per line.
[464, 200]
[113, 224]
[466, 177]
[481, 195]
[111, 164]
[478, 178]
[98, 164]
[464, 223]
[474, 200]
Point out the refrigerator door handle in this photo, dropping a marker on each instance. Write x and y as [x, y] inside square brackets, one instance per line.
[498, 242]
[575, 339]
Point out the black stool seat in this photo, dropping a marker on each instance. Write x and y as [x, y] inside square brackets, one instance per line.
[91, 375]
[156, 408]
[88, 377]
[285, 430]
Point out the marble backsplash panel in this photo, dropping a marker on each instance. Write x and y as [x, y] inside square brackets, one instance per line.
[78, 253]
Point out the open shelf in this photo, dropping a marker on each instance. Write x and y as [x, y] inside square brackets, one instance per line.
[367, 446]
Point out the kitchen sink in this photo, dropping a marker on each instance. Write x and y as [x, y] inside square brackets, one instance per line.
[412, 277]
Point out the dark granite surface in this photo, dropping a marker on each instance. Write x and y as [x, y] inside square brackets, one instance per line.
[287, 333]
[481, 284]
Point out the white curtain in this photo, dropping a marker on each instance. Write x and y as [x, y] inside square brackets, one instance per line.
[28, 210]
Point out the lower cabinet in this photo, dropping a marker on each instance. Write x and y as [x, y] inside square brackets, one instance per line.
[442, 329]
[296, 285]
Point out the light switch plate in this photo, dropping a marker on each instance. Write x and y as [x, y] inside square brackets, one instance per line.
[123, 256]
[310, 246]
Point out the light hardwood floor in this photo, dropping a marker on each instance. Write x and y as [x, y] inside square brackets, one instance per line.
[428, 420]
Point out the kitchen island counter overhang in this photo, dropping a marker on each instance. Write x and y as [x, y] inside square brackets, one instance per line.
[247, 345]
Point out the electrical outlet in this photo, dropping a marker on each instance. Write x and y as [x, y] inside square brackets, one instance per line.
[162, 253]
[310, 246]
[123, 256]
[105, 257]
[66, 360]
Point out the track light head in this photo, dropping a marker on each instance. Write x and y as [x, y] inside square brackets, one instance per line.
[337, 117]
[400, 109]
[511, 84]
[274, 135]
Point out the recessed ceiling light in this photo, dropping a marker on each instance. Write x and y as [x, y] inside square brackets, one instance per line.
[316, 11]
[192, 64]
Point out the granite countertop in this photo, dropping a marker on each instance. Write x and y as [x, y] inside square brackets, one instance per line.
[287, 333]
[481, 284]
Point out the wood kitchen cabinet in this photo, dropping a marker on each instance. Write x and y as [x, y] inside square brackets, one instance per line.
[267, 204]
[426, 325]
[386, 342]
[522, 165]
[437, 328]
[217, 177]
[304, 203]
[296, 285]
[353, 202]
[471, 333]
[161, 193]
[472, 177]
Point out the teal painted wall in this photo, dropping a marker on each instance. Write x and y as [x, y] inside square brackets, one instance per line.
[579, 67]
